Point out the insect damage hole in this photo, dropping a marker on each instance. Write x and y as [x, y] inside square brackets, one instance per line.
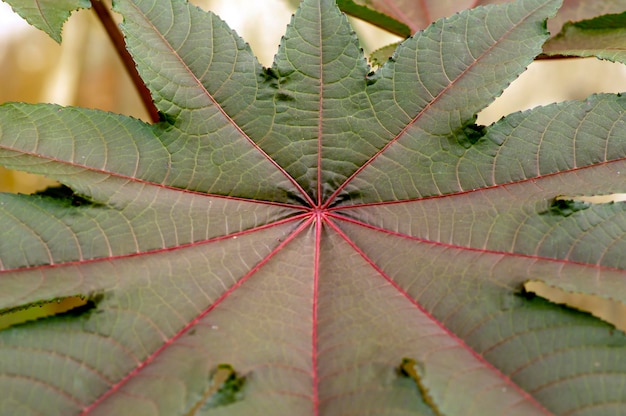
[594, 199]
[68, 306]
[225, 386]
[415, 370]
[611, 311]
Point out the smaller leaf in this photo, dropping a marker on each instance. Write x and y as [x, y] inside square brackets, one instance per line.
[577, 10]
[374, 17]
[48, 15]
[601, 37]
[382, 55]
[418, 14]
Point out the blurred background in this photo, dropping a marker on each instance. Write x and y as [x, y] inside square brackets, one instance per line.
[86, 71]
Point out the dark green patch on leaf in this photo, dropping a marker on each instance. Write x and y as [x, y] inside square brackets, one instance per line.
[524, 293]
[274, 77]
[65, 195]
[166, 118]
[469, 134]
[225, 386]
[84, 310]
[269, 74]
[566, 207]
[284, 96]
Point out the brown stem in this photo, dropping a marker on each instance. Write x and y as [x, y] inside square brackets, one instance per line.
[116, 37]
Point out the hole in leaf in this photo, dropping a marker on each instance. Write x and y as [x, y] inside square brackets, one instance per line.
[415, 370]
[594, 199]
[65, 194]
[70, 306]
[270, 73]
[470, 134]
[15, 181]
[611, 311]
[566, 207]
[524, 293]
[224, 388]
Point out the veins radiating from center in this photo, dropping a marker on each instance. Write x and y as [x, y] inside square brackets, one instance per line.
[319, 214]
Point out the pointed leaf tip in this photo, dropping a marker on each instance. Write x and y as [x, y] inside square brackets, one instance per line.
[48, 15]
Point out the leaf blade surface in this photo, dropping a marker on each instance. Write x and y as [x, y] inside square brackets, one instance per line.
[340, 242]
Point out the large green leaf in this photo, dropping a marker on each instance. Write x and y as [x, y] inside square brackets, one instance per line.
[314, 239]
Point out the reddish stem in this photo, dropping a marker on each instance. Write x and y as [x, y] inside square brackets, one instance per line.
[117, 38]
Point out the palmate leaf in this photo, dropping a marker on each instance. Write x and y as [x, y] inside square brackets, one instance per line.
[312, 239]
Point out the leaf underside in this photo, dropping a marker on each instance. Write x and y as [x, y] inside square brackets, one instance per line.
[290, 236]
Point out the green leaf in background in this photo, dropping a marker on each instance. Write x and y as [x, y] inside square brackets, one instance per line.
[47, 15]
[413, 14]
[374, 17]
[575, 10]
[381, 55]
[417, 14]
[313, 238]
[603, 37]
